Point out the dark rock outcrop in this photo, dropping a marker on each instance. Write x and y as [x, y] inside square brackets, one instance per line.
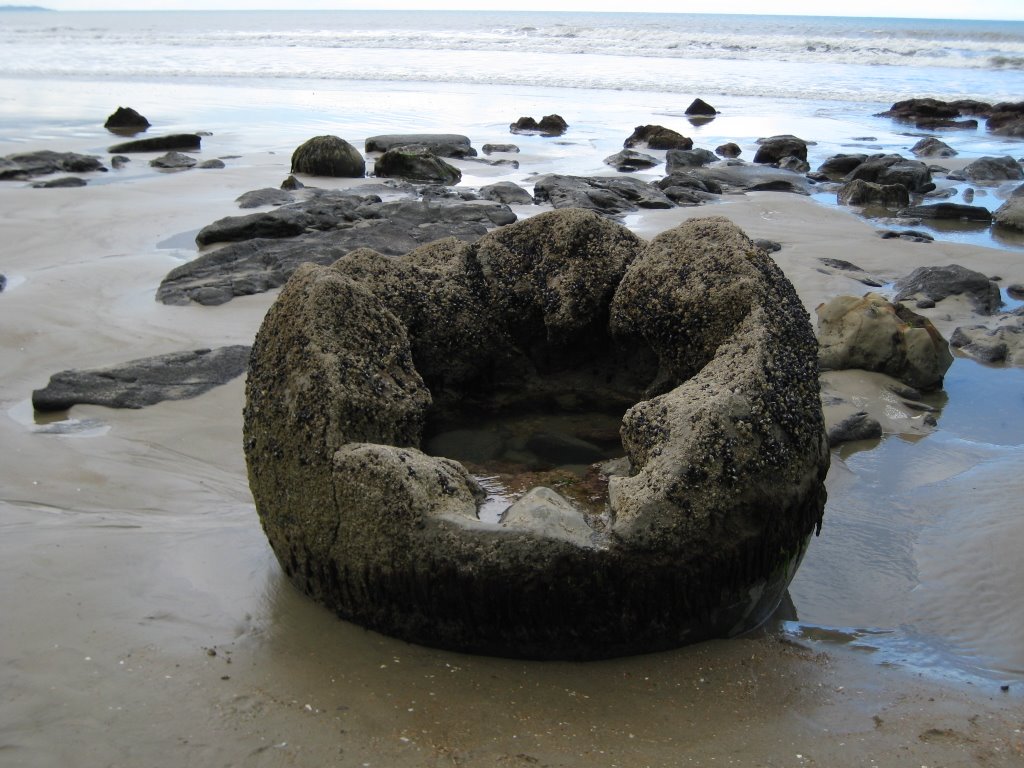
[611, 196]
[138, 383]
[838, 166]
[440, 144]
[725, 438]
[328, 156]
[416, 165]
[937, 283]
[126, 121]
[506, 192]
[321, 230]
[656, 137]
[700, 108]
[177, 142]
[915, 175]
[549, 125]
[993, 170]
[947, 211]
[932, 147]
[774, 148]
[859, 192]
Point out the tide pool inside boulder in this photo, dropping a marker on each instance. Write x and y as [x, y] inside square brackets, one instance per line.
[695, 337]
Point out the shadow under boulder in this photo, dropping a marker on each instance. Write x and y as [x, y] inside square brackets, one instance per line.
[696, 339]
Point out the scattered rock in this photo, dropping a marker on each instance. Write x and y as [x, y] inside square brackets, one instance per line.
[936, 123]
[838, 166]
[492, 148]
[913, 235]
[126, 121]
[873, 334]
[894, 169]
[768, 246]
[1007, 119]
[439, 144]
[1003, 344]
[1010, 214]
[680, 159]
[606, 195]
[549, 125]
[328, 156]
[729, 149]
[291, 184]
[3, 282]
[416, 165]
[701, 108]
[993, 170]
[178, 142]
[173, 161]
[726, 439]
[851, 270]
[119, 161]
[857, 426]
[937, 283]
[932, 147]
[631, 160]
[792, 163]
[916, 109]
[657, 137]
[25, 165]
[774, 148]
[744, 177]
[948, 211]
[138, 383]
[860, 192]
[214, 164]
[320, 230]
[506, 192]
[65, 181]
[258, 198]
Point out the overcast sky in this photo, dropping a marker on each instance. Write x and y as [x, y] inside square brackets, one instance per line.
[977, 9]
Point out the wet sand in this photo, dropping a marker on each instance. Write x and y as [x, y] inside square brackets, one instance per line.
[146, 622]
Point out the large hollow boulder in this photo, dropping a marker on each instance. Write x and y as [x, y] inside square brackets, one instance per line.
[696, 338]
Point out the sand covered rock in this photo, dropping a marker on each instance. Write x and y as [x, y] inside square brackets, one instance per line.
[1002, 344]
[939, 282]
[328, 156]
[724, 436]
[872, 333]
[138, 383]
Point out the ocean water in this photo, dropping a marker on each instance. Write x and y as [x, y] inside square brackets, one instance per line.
[264, 82]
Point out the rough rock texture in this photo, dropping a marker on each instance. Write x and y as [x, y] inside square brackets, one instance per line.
[177, 142]
[631, 160]
[125, 120]
[657, 137]
[549, 125]
[859, 192]
[138, 383]
[729, 149]
[328, 156]
[932, 147]
[993, 170]
[871, 333]
[416, 164]
[440, 144]
[938, 283]
[612, 196]
[699, 330]
[25, 165]
[775, 148]
[1002, 344]
[266, 247]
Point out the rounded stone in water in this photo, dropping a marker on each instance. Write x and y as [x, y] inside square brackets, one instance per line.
[697, 336]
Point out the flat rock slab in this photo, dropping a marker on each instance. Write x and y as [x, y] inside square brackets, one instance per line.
[743, 177]
[607, 195]
[174, 142]
[25, 165]
[267, 247]
[150, 380]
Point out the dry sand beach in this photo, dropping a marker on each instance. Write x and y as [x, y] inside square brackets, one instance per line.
[146, 621]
